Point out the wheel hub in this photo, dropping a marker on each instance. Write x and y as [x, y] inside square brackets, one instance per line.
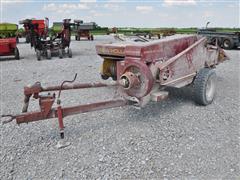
[136, 80]
[210, 89]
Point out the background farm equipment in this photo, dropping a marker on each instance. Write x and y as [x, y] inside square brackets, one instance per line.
[8, 47]
[40, 28]
[56, 28]
[142, 72]
[8, 30]
[161, 33]
[8, 40]
[82, 30]
[227, 40]
[151, 33]
[47, 46]
[168, 32]
[113, 30]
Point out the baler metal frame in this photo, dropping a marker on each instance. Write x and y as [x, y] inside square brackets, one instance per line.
[141, 77]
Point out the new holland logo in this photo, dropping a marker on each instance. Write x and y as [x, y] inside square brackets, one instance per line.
[111, 51]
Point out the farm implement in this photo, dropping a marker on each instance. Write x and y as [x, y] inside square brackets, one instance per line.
[227, 40]
[56, 28]
[141, 72]
[82, 30]
[8, 40]
[8, 30]
[8, 47]
[40, 27]
[47, 46]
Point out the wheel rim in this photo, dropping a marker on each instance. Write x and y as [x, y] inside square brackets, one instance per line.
[210, 89]
[226, 44]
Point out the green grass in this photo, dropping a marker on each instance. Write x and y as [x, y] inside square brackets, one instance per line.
[131, 30]
[157, 30]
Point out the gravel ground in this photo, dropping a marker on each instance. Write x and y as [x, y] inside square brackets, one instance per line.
[174, 139]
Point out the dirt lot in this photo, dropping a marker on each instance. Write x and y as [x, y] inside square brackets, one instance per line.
[172, 139]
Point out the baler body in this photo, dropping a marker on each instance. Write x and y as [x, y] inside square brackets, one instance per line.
[173, 61]
[141, 71]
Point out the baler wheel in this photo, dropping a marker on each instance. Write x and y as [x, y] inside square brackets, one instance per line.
[69, 52]
[38, 54]
[27, 38]
[60, 53]
[49, 56]
[228, 43]
[204, 86]
[16, 53]
[104, 77]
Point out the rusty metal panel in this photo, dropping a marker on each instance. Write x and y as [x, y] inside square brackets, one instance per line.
[181, 69]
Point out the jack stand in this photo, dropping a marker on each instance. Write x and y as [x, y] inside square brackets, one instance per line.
[60, 118]
[61, 143]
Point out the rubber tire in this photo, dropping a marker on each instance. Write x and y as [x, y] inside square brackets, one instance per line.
[60, 53]
[49, 55]
[16, 53]
[92, 38]
[38, 54]
[27, 39]
[104, 77]
[230, 42]
[76, 38]
[199, 86]
[213, 41]
[69, 52]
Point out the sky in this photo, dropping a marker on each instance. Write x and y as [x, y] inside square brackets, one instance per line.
[127, 13]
